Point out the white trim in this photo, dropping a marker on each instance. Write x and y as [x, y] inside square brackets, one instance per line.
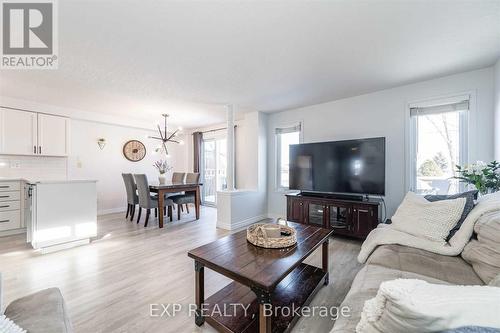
[466, 125]
[63, 246]
[275, 216]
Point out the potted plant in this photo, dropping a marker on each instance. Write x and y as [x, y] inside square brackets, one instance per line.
[162, 167]
[485, 177]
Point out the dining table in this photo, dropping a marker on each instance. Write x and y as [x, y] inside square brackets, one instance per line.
[176, 187]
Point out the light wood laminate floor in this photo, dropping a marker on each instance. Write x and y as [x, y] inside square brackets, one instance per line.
[110, 284]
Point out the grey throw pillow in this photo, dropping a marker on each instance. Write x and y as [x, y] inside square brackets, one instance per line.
[469, 204]
[495, 282]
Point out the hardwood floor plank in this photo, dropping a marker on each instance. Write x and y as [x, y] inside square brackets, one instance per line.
[110, 284]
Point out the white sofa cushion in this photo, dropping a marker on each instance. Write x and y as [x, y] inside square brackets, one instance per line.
[411, 305]
[432, 220]
[484, 253]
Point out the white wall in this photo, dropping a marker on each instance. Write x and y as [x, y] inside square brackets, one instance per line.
[251, 152]
[497, 110]
[246, 149]
[248, 204]
[384, 113]
[87, 161]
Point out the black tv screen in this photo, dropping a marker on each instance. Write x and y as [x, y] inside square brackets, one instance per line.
[351, 166]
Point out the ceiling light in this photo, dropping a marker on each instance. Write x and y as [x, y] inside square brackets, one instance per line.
[164, 137]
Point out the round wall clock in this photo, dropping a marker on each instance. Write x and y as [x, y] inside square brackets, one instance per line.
[134, 150]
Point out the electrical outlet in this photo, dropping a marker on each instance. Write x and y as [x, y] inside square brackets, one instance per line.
[79, 164]
[15, 164]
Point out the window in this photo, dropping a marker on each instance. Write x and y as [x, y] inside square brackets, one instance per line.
[438, 143]
[284, 138]
[213, 167]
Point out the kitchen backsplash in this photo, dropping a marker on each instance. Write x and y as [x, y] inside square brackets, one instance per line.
[33, 167]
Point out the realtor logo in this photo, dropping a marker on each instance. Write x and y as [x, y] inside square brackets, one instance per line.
[29, 35]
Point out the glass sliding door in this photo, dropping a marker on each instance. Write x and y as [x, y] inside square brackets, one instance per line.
[214, 169]
[221, 148]
[209, 170]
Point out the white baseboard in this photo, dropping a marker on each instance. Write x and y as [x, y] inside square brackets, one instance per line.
[64, 246]
[241, 224]
[275, 216]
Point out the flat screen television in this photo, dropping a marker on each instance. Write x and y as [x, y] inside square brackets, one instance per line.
[343, 167]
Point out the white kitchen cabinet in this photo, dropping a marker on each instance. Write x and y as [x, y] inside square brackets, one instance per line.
[58, 221]
[18, 132]
[12, 205]
[53, 135]
[31, 133]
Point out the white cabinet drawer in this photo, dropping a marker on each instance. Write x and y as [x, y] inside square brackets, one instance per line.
[10, 205]
[10, 220]
[9, 196]
[10, 186]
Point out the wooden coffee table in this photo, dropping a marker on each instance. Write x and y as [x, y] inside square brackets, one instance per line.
[264, 279]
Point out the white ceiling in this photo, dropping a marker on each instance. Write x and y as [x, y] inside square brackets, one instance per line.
[140, 58]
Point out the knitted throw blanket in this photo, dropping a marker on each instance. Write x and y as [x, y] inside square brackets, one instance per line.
[385, 235]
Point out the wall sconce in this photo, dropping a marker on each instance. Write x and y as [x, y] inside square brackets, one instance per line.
[101, 142]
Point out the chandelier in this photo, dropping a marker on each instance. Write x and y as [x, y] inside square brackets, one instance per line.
[164, 137]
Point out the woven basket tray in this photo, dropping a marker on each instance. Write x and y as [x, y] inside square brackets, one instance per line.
[256, 234]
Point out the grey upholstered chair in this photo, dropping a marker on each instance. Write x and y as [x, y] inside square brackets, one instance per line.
[177, 177]
[147, 201]
[188, 197]
[132, 198]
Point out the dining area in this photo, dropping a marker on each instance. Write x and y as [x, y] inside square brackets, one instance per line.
[162, 198]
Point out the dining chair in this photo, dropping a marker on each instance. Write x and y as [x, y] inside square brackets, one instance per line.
[178, 177]
[148, 201]
[188, 197]
[132, 198]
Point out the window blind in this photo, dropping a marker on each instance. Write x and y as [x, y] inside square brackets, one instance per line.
[285, 130]
[434, 109]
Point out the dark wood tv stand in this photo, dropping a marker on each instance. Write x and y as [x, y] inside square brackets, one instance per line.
[355, 218]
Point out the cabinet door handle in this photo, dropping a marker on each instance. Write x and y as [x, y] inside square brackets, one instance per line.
[39, 149]
[6, 206]
[5, 196]
[363, 210]
[4, 221]
[4, 186]
[34, 149]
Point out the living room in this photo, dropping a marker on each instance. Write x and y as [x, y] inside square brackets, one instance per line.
[367, 131]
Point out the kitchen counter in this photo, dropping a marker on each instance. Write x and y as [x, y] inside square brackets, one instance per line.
[63, 214]
[62, 181]
[47, 210]
[13, 179]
